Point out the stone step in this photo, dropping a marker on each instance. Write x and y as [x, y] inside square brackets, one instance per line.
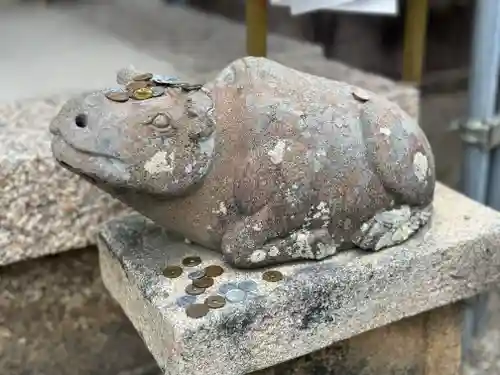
[388, 312]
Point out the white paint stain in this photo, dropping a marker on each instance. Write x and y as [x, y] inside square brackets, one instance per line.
[258, 256]
[257, 227]
[277, 153]
[304, 247]
[325, 250]
[161, 162]
[321, 205]
[274, 251]
[221, 210]
[385, 131]
[347, 224]
[420, 166]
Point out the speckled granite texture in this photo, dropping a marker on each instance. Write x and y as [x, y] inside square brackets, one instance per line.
[316, 305]
[56, 318]
[45, 210]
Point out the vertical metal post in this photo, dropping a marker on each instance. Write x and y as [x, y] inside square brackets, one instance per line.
[482, 93]
[414, 40]
[493, 197]
[482, 105]
[256, 24]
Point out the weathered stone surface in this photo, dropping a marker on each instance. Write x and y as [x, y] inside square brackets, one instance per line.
[56, 318]
[265, 163]
[425, 344]
[314, 306]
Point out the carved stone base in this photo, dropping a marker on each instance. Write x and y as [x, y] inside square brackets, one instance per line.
[382, 312]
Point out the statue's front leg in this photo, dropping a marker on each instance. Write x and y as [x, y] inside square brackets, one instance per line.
[254, 242]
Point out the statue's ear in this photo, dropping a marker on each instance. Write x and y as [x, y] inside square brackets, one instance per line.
[199, 109]
[125, 75]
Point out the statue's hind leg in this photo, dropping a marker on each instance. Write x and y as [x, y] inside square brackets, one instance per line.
[391, 227]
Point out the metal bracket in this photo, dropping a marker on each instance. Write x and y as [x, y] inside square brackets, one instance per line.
[485, 133]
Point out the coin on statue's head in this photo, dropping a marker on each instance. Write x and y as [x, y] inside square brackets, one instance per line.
[143, 77]
[117, 96]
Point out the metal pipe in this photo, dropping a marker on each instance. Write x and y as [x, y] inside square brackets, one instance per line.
[493, 197]
[414, 40]
[476, 163]
[256, 24]
[482, 93]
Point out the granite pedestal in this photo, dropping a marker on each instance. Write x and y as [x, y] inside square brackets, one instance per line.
[397, 311]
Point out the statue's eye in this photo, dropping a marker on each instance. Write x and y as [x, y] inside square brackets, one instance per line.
[161, 121]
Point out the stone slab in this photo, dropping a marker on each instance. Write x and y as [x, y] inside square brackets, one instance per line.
[314, 306]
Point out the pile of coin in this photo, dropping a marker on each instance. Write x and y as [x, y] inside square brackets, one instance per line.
[203, 279]
[146, 86]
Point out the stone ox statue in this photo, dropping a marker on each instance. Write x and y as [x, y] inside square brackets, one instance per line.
[265, 164]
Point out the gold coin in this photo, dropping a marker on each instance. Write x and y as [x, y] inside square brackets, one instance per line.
[214, 270]
[204, 282]
[194, 290]
[143, 93]
[191, 261]
[215, 302]
[197, 310]
[172, 272]
[272, 276]
[143, 77]
[117, 96]
[132, 86]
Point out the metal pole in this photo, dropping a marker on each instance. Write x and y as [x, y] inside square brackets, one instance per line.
[256, 23]
[414, 40]
[482, 105]
[493, 198]
[482, 93]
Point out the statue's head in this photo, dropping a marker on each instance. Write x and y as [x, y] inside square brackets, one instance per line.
[162, 146]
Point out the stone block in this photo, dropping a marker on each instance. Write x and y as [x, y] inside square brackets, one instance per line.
[350, 296]
[56, 318]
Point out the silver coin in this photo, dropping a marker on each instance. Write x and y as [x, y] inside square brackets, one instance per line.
[163, 80]
[224, 288]
[252, 295]
[157, 91]
[236, 295]
[196, 274]
[185, 301]
[248, 285]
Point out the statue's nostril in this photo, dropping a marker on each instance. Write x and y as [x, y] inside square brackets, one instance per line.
[81, 120]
